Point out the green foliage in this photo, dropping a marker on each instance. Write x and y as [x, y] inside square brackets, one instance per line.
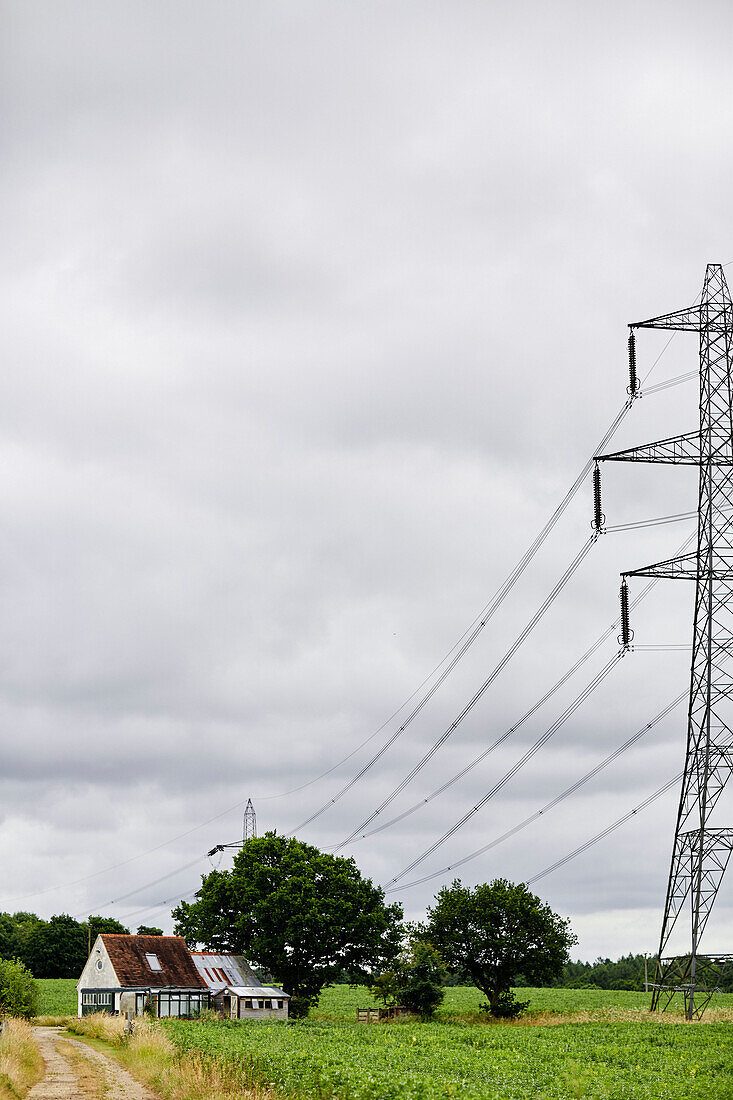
[57, 948]
[98, 926]
[149, 930]
[496, 933]
[304, 915]
[328, 1055]
[19, 992]
[625, 973]
[414, 980]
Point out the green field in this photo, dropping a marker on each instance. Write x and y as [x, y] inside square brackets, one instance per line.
[58, 997]
[572, 1043]
[615, 1051]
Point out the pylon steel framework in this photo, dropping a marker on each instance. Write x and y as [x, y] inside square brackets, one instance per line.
[702, 846]
[249, 822]
[249, 830]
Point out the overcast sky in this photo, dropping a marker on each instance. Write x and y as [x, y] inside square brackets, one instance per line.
[311, 314]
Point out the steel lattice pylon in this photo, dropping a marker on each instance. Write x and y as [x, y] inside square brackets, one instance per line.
[702, 847]
[249, 823]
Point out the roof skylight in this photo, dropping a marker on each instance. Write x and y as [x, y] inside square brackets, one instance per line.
[153, 962]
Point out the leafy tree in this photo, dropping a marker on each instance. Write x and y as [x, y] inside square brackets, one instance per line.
[57, 948]
[97, 926]
[302, 914]
[25, 925]
[415, 979]
[8, 937]
[19, 992]
[149, 930]
[496, 934]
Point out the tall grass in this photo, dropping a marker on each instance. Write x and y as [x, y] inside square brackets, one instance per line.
[153, 1059]
[21, 1064]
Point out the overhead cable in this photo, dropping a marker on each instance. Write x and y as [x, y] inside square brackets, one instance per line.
[672, 381]
[549, 805]
[145, 886]
[498, 668]
[605, 832]
[523, 760]
[471, 634]
[611, 631]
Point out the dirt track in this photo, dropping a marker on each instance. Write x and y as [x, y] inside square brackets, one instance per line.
[62, 1082]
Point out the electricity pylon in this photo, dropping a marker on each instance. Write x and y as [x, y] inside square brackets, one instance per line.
[702, 846]
[249, 824]
[249, 830]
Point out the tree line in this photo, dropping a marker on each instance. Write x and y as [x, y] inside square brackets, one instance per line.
[58, 947]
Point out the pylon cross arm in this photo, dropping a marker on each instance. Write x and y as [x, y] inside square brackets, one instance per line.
[682, 320]
[679, 450]
[682, 568]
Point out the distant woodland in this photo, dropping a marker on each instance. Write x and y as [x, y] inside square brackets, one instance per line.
[55, 948]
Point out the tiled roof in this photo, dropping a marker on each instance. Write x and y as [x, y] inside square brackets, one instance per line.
[127, 955]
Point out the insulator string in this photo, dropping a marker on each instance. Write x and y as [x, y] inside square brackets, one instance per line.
[626, 635]
[633, 380]
[608, 633]
[598, 517]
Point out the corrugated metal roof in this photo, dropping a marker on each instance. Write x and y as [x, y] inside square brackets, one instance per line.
[258, 991]
[218, 969]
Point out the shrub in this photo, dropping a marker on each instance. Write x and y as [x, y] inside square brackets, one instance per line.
[20, 994]
[415, 980]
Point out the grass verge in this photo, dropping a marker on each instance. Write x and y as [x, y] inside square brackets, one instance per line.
[21, 1065]
[151, 1058]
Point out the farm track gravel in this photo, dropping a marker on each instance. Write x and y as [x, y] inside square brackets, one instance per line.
[60, 1082]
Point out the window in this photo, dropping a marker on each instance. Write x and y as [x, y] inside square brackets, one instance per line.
[255, 1003]
[181, 1004]
[153, 962]
[275, 1004]
[100, 964]
[96, 998]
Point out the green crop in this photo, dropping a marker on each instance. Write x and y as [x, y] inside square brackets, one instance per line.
[616, 1051]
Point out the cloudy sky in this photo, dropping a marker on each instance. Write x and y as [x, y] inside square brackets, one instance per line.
[311, 313]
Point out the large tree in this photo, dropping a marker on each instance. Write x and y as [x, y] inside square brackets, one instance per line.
[57, 948]
[496, 934]
[302, 914]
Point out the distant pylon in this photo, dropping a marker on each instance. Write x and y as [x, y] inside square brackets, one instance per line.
[249, 825]
[702, 846]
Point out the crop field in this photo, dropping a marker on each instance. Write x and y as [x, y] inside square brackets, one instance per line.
[58, 997]
[573, 1043]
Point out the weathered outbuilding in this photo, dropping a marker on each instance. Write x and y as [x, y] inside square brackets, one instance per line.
[126, 973]
[236, 991]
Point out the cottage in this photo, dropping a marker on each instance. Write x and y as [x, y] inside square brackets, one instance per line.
[124, 973]
[236, 991]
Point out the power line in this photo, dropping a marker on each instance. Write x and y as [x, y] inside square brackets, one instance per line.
[125, 862]
[611, 631]
[509, 775]
[549, 805]
[476, 627]
[605, 832]
[519, 640]
[138, 889]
